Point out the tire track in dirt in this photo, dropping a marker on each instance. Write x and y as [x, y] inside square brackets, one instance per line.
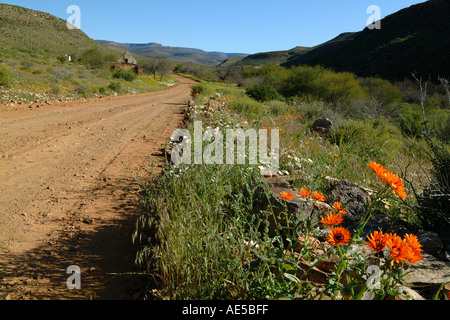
[65, 196]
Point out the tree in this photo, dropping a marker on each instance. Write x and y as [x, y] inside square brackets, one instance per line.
[164, 67]
[154, 66]
[151, 67]
[229, 72]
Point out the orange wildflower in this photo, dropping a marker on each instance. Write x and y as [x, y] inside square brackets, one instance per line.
[377, 241]
[305, 193]
[319, 196]
[390, 179]
[286, 196]
[414, 249]
[339, 235]
[338, 208]
[399, 248]
[332, 220]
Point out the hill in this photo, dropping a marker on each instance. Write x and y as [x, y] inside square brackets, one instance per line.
[34, 64]
[174, 54]
[34, 30]
[286, 56]
[414, 39]
[273, 57]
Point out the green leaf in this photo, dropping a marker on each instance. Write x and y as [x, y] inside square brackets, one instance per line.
[291, 277]
[288, 267]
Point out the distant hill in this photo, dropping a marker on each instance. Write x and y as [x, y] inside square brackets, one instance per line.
[274, 57]
[175, 54]
[34, 30]
[415, 39]
[287, 56]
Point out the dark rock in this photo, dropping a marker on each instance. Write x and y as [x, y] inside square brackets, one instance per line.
[322, 125]
[431, 243]
[356, 200]
[289, 212]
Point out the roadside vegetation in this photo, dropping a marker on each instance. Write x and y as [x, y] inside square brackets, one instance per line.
[34, 75]
[205, 230]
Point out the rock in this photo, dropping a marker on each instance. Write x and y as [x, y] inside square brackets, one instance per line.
[328, 265]
[314, 275]
[297, 209]
[355, 199]
[430, 270]
[431, 243]
[310, 242]
[322, 125]
[407, 294]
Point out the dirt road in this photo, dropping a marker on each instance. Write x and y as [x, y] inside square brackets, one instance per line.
[64, 192]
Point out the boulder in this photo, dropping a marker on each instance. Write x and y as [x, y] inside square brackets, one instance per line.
[431, 243]
[291, 211]
[322, 125]
[430, 270]
[356, 200]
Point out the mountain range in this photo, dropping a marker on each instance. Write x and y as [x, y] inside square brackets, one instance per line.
[175, 54]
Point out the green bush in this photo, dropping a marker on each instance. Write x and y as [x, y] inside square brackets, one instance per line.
[198, 89]
[371, 139]
[382, 91]
[306, 81]
[92, 58]
[6, 76]
[262, 92]
[86, 90]
[129, 76]
[115, 86]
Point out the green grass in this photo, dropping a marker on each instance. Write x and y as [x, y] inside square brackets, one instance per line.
[199, 221]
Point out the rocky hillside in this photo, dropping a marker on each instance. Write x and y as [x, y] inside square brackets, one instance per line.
[414, 39]
[34, 30]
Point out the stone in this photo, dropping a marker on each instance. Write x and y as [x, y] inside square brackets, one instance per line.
[431, 242]
[291, 211]
[314, 274]
[310, 242]
[355, 199]
[430, 270]
[322, 125]
[407, 294]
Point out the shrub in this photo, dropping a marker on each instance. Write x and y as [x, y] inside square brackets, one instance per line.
[6, 76]
[129, 76]
[115, 86]
[262, 92]
[382, 91]
[198, 89]
[337, 88]
[92, 58]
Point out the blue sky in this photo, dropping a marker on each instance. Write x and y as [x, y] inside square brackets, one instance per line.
[247, 26]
